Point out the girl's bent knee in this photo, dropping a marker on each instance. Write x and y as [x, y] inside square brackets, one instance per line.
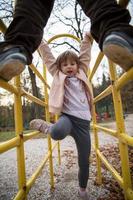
[57, 133]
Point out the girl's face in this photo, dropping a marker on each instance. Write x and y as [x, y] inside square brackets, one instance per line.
[69, 67]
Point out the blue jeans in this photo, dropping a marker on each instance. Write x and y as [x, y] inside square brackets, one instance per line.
[31, 16]
[79, 130]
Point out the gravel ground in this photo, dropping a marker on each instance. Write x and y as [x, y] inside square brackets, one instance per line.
[65, 175]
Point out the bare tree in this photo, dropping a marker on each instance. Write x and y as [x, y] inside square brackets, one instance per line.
[72, 17]
[6, 10]
[67, 16]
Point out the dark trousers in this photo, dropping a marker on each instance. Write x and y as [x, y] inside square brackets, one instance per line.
[31, 16]
[79, 130]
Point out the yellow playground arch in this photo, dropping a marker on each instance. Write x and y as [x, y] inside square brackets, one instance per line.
[17, 142]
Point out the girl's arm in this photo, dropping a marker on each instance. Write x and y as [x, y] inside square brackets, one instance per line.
[85, 52]
[48, 57]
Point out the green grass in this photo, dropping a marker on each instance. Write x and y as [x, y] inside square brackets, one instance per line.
[8, 135]
[11, 134]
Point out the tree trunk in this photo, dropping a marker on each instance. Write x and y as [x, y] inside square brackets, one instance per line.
[35, 113]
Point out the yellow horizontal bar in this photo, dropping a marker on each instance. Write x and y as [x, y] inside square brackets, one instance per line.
[130, 193]
[106, 130]
[30, 135]
[5, 146]
[39, 75]
[124, 79]
[103, 94]
[98, 60]
[7, 86]
[110, 168]
[126, 139]
[63, 35]
[2, 26]
[32, 98]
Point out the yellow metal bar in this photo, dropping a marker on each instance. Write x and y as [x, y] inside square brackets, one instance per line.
[32, 98]
[106, 130]
[34, 176]
[98, 161]
[20, 195]
[34, 69]
[30, 135]
[96, 146]
[54, 145]
[63, 35]
[126, 139]
[8, 87]
[48, 137]
[124, 79]
[5, 146]
[111, 168]
[130, 193]
[32, 179]
[103, 94]
[98, 61]
[59, 155]
[19, 133]
[121, 130]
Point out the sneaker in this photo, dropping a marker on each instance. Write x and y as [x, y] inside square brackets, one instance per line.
[118, 47]
[40, 125]
[83, 195]
[12, 62]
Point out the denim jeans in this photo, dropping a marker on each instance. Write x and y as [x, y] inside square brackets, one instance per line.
[31, 16]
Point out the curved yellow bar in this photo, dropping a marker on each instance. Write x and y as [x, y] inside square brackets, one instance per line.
[63, 35]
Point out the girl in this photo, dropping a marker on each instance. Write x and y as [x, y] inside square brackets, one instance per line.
[70, 96]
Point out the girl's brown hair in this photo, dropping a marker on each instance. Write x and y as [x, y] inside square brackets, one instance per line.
[63, 57]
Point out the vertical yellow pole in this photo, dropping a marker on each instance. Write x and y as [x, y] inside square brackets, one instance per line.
[98, 161]
[96, 146]
[121, 130]
[49, 138]
[19, 132]
[59, 157]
